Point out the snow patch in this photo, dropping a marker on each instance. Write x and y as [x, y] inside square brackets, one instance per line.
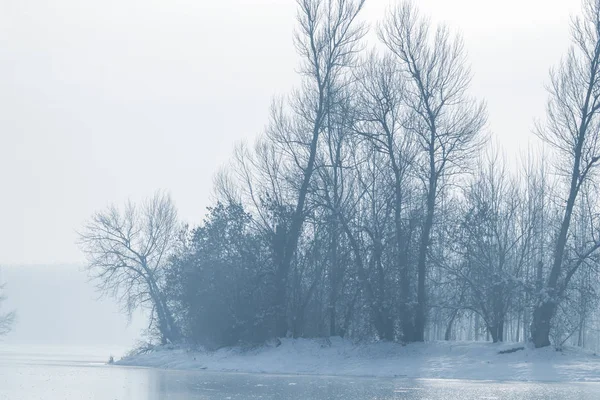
[446, 360]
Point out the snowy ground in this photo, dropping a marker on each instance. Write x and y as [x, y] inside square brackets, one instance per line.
[450, 360]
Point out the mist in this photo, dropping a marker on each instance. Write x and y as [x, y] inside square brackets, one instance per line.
[57, 306]
[404, 190]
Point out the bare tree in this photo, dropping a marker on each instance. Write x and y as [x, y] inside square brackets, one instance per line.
[7, 319]
[363, 220]
[327, 40]
[381, 117]
[572, 128]
[494, 242]
[447, 123]
[333, 191]
[127, 251]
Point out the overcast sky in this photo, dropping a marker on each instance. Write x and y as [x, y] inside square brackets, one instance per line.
[108, 100]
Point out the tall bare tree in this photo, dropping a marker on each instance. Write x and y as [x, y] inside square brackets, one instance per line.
[127, 251]
[381, 118]
[327, 40]
[333, 192]
[445, 120]
[572, 128]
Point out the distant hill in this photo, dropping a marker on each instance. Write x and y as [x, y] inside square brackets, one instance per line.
[56, 305]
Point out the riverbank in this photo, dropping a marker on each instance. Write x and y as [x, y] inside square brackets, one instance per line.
[445, 360]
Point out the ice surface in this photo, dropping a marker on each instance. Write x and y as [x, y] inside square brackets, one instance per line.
[70, 377]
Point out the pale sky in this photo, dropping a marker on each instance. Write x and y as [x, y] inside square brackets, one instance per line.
[109, 100]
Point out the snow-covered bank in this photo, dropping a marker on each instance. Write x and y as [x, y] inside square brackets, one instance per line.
[451, 360]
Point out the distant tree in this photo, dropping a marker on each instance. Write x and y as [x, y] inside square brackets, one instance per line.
[127, 251]
[6, 319]
[493, 244]
[572, 128]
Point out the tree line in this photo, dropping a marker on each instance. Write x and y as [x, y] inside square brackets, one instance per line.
[374, 207]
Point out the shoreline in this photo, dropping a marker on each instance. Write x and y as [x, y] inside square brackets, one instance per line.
[477, 361]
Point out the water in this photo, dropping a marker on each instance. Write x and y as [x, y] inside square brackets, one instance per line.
[80, 375]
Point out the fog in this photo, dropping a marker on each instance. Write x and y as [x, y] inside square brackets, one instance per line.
[108, 101]
[404, 190]
[56, 305]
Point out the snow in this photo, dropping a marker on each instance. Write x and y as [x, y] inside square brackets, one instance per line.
[445, 360]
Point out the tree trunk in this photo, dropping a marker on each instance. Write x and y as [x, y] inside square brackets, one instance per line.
[166, 324]
[544, 312]
[386, 325]
[448, 334]
[540, 329]
[382, 323]
[333, 280]
[406, 310]
[493, 332]
[518, 327]
[547, 306]
[420, 317]
[280, 298]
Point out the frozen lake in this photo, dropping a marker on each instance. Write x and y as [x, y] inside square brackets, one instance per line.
[79, 375]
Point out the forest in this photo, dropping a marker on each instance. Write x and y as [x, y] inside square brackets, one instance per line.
[377, 206]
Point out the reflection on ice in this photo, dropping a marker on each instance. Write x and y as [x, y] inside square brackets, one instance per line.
[72, 377]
